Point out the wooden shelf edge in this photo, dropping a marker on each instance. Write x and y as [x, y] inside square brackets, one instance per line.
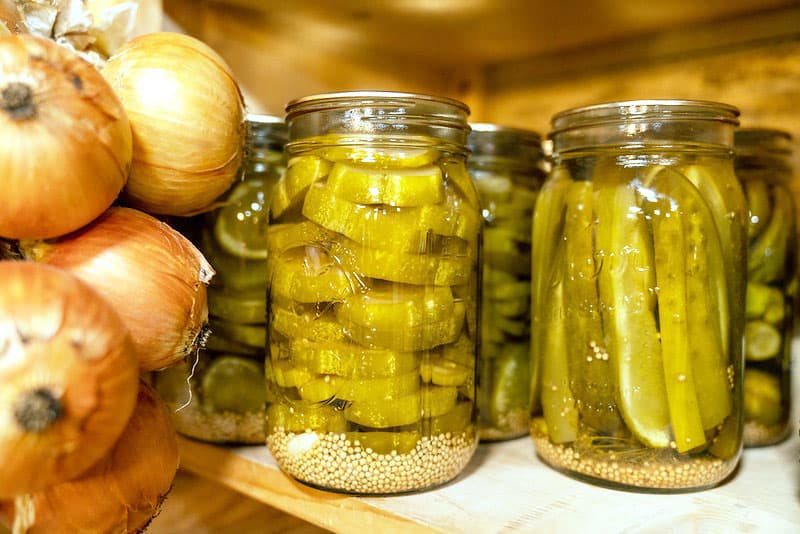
[267, 484]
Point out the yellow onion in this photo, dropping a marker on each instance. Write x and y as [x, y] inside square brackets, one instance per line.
[187, 116]
[65, 140]
[122, 492]
[152, 275]
[68, 377]
[10, 19]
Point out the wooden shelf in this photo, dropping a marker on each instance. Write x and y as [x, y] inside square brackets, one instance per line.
[506, 487]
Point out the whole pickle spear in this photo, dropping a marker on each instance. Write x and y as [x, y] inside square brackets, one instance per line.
[548, 223]
[669, 243]
[768, 255]
[759, 206]
[626, 284]
[590, 365]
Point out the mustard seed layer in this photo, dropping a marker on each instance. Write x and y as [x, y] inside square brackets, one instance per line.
[219, 427]
[759, 435]
[332, 461]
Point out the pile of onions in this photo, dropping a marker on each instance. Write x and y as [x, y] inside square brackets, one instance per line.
[187, 116]
[152, 275]
[65, 140]
[122, 492]
[68, 377]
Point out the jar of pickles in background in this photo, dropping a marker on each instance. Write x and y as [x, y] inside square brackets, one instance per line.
[221, 396]
[638, 285]
[763, 166]
[373, 261]
[508, 169]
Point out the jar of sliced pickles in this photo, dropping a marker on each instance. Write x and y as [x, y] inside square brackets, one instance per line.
[638, 283]
[508, 169]
[220, 396]
[764, 168]
[373, 265]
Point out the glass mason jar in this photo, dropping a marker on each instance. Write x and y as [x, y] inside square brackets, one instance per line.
[764, 168]
[508, 169]
[373, 259]
[638, 283]
[221, 397]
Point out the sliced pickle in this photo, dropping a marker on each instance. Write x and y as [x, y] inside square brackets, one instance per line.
[762, 341]
[377, 157]
[238, 306]
[241, 223]
[300, 417]
[461, 352]
[409, 339]
[284, 237]
[385, 413]
[762, 397]
[319, 389]
[512, 308]
[293, 185]
[591, 368]
[444, 372]
[351, 360]
[387, 306]
[233, 272]
[234, 384]
[218, 343]
[381, 442]
[387, 227]
[765, 302]
[402, 267]
[310, 275]
[253, 335]
[456, 174]
[669, 243]
[369, 389]
[415, 186]
[438, 400]
[626, 283]
[759, 206]
[306, 325]
[456, 421]
[288, 375]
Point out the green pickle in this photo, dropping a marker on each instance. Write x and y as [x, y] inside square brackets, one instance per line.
[764, 169]
[373, 248]
[507, 167]
[220, 395]
[637, 302]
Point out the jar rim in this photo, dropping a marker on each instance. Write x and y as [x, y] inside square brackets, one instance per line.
[324, 101]
[632, 110]
[488, 127]
[261, 118]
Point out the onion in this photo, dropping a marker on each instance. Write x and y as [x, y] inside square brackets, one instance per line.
[152, 275]
[65, 140]
[10, 19]
[187, 116]
[68, 377]
[121, 493]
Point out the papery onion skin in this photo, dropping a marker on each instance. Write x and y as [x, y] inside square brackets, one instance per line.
[10, 19]
[187, 115]
[122, 492]
[63, 344]
[65, 140]
[151, 274]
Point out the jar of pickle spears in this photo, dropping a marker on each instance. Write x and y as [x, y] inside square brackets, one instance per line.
[373, 261]
[638, 284]
[508, 169]
[763, 166]
[221, 397]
